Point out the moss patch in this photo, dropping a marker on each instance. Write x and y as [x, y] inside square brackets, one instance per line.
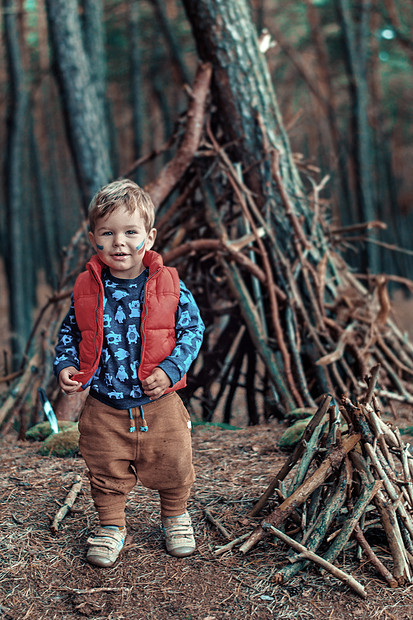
[40, 431]
[65, 443]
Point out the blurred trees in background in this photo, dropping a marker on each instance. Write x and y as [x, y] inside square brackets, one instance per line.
[94, 90]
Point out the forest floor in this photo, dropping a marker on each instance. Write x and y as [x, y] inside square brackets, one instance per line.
[46, 576]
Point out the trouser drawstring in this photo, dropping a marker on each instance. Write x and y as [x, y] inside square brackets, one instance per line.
[144, 426]
[132, 421]
[132, 427]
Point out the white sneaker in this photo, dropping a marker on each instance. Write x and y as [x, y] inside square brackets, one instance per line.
[105, 546]
[179, 535]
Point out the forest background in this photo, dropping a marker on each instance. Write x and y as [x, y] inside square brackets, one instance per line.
[342, 72]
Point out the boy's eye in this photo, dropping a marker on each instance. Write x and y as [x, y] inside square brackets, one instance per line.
[106, 234]
[131, 232]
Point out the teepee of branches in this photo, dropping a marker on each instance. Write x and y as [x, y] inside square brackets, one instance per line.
[287, 320]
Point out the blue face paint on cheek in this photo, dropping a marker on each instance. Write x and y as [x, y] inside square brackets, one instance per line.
[139, 247]
[99, 247]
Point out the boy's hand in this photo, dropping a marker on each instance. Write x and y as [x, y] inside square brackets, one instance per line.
[156, 384]
[66, 382]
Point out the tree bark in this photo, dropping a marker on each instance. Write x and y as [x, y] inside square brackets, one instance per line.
[16, 253]
[94, 44]
[356, 62]
[326, 83]
[137, 91]
[83, 120]
[243, 91]
[95, 49]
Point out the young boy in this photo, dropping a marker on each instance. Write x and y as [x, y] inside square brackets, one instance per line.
[132, 332]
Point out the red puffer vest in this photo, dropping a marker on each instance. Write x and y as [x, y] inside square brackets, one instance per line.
[161, 299]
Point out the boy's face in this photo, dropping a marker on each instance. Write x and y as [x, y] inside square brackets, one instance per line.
[121, 240]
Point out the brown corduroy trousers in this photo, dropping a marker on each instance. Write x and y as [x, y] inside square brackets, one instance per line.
[161, 457]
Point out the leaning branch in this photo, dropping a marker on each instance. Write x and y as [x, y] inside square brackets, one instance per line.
[172, 173]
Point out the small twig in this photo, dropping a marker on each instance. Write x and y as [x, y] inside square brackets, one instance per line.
[360, 226]
[95, 590]
[231, 544]
[372, 383]
[68, 503]
[217, 524]
[11, 376]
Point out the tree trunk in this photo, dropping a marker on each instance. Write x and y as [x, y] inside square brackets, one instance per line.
[178, 65]
[137, 90]
[95, 49]
[17, 124]
[46, 247]
[356, 62]
[86, 135]
[94, 44]
[326, 85]
[242, 89]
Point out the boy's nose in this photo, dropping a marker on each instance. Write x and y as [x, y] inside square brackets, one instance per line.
[117, 240]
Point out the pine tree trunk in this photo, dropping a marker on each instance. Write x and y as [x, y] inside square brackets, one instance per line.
[356, 62]
[83, 117]
[16, 243]
[243, 92]
[177, 64]
[137, 92]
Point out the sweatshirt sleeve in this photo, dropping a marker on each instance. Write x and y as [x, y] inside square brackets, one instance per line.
[189, 331]
[67, 348]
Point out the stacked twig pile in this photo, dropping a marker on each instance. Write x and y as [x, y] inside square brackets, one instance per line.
[350, 474]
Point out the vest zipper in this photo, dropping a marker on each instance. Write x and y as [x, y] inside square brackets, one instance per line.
[96, 321]
[146, 314]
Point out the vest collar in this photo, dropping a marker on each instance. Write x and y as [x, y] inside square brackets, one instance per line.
[151, 259]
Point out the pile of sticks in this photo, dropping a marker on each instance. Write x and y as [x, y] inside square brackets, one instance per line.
[350, 475]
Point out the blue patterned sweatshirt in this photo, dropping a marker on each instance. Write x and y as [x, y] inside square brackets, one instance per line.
[116, 380]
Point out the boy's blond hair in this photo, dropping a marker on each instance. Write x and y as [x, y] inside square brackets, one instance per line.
[123, 192]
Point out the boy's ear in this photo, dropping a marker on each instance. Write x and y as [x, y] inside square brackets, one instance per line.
[150, 238]
[92, 240]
